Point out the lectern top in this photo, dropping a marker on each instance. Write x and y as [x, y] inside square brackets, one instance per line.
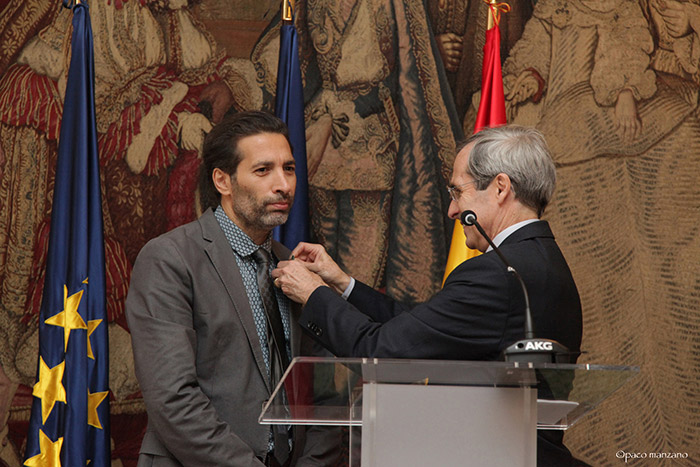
[328, 391]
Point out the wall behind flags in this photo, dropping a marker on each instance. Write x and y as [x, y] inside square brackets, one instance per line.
[612, 84]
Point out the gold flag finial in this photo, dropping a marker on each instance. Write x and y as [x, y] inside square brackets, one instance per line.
[495, 10]
[287, 7]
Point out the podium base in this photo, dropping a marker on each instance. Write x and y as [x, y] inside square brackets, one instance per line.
[417, 425]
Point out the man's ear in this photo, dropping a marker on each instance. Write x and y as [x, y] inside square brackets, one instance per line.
[503, 186]
[222, 181]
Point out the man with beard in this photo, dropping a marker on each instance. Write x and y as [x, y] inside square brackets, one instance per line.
[211, 336]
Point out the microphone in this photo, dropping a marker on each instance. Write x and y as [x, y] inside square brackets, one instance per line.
[530, 349]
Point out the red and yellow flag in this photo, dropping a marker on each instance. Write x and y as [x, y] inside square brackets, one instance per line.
[492, 112]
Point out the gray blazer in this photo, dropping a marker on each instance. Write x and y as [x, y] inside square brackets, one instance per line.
[198, 356]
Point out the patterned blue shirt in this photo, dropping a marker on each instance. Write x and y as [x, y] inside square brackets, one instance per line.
[243, 249]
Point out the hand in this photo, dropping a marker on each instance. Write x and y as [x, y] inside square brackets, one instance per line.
[317, 260]
[627, 119]
[523, 87]
[192, 128]
[220, 98]
[450, 46]
[296, 281]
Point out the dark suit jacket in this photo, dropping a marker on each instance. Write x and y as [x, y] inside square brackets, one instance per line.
[198, 356]
[478, 313]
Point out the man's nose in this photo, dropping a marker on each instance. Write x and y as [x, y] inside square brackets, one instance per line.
[284, 181]
[453, 210]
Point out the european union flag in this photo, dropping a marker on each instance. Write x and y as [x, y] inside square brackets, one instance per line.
[289, 106]
[69, 423]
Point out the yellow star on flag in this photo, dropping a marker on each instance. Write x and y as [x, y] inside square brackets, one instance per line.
[69, 318]
[50, 453]
[49, 388]
[94, 401]
[92, 325]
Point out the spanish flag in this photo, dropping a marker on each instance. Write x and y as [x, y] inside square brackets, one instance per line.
[492, 112]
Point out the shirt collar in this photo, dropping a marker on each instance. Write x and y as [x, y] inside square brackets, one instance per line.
[505, 233]
[239, 240]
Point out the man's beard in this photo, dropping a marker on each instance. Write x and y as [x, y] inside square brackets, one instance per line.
[255, 213]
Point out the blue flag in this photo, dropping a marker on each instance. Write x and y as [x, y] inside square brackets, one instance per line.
[69, 423]
[289, 106]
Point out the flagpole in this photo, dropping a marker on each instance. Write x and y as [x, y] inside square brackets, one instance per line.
[287, 7]
[489, 21]
[495, 10]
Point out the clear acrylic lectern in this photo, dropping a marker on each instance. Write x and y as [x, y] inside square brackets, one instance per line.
[429, 412]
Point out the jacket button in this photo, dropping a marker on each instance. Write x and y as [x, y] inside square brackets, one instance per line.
[314, 328]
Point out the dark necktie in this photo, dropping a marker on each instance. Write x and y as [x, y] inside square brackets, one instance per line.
[276, 342]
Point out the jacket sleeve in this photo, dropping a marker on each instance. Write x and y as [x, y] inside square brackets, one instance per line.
[468, 319]
[160, 316]
[378, 306]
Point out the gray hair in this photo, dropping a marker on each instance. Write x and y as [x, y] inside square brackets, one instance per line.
[519, 152]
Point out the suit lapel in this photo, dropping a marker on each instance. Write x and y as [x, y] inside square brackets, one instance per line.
[224, 261]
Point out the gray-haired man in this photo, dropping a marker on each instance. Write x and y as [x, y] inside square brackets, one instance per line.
[507, 177]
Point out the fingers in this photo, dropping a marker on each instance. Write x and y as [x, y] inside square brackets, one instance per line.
[192, 128]
[452, 37]
[622, 130]
[284, 273]
[289, 268]
[315, 259]
[622, 125]
[523, 90]
[311, 253]
[305, 250]
[450, 46]
[295, 280]
[626, 117]
[452, 65]
[629, 128]
[450, 41]
[636, 128]
[523, 87]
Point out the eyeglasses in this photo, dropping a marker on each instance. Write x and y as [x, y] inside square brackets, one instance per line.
[456, 191]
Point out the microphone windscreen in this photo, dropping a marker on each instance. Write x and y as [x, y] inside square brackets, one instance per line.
[468, 217]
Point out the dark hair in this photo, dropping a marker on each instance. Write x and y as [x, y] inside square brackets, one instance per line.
[221, 148]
